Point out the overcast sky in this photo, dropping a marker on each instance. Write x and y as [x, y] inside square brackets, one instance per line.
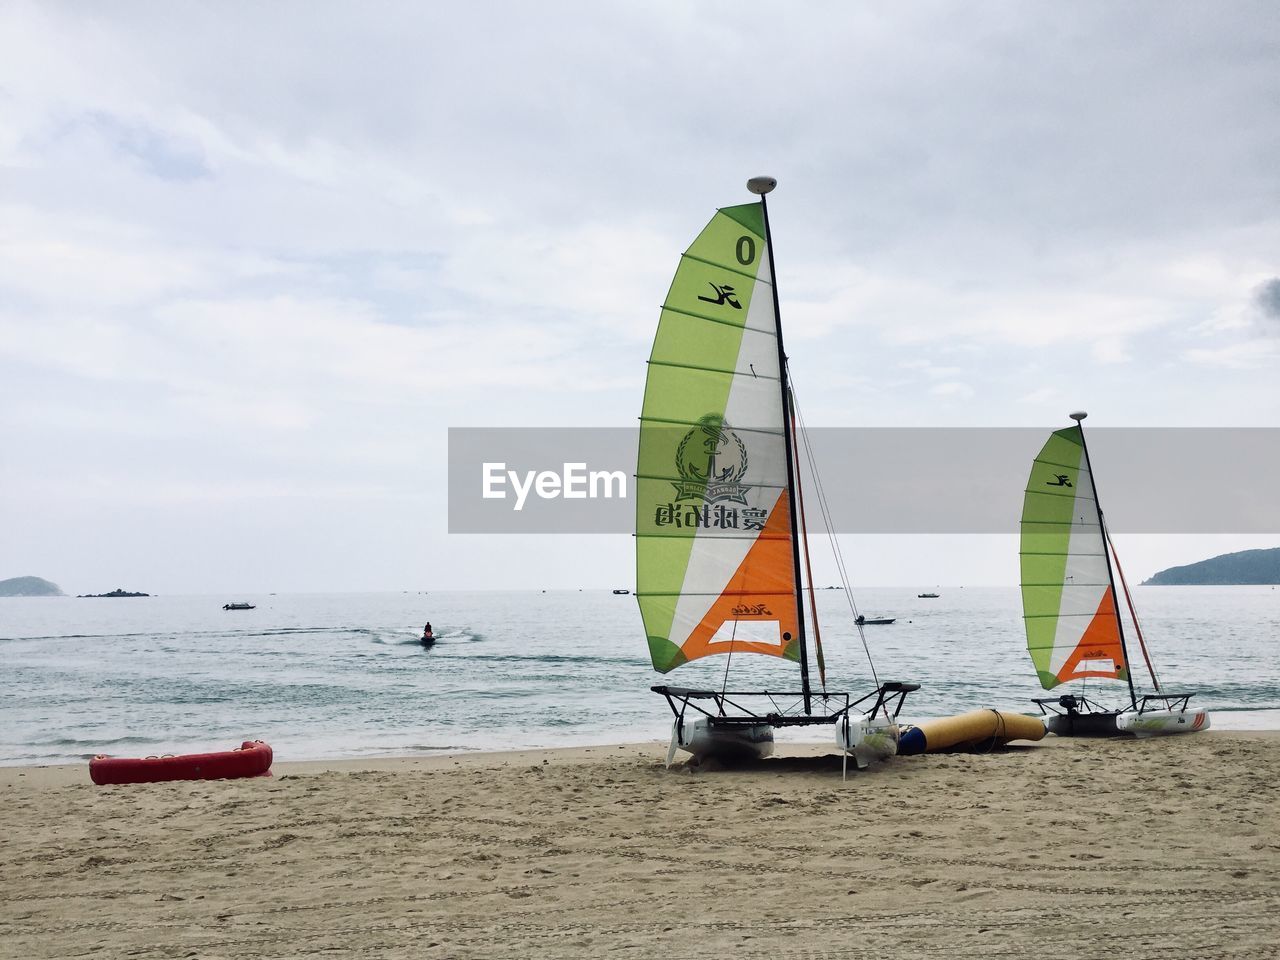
[256, 258]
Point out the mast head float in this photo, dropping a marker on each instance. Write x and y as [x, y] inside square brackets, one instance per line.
[761, 185]
[1078, 416]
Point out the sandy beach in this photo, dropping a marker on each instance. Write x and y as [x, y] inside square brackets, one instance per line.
[1067, 848]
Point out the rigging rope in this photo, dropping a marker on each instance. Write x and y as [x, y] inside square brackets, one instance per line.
[998, 734]
[1142, 643]
[724, 685]
[825, 509]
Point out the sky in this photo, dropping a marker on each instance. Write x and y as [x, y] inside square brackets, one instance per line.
[256, 259]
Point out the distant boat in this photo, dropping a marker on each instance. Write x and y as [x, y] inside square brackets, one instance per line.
[238, 606]
[1074, 629]
[872, 621]
[928, 596]
[621, 592]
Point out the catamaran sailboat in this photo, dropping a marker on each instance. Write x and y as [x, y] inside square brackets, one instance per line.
[1074, 628]
[719, 514]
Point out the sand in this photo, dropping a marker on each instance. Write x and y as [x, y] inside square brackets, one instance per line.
[1121, 849]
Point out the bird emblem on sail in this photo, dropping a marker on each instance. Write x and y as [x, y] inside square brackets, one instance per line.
[711, 460]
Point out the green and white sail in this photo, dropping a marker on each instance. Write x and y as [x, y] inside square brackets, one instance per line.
[714, 562]
[1068, 603]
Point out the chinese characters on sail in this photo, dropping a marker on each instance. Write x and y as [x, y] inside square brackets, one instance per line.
[717, 517]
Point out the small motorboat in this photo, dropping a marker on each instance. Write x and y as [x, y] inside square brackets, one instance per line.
[427, 639]
[251, 759]
[621, 593]
[862, 621]
[238, 606]
[928, 596]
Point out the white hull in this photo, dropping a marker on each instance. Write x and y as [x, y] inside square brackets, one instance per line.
[736, 743]
[866, 739]
[1162, 723]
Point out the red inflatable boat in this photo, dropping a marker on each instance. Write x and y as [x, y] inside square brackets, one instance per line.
[251, 759]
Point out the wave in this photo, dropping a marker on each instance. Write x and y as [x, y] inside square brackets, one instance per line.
[412, 639]
[552, 658]
[178, 634]
[168, 636]
[1247, 708]
[440, 748]
[83, 636]
[95, 742]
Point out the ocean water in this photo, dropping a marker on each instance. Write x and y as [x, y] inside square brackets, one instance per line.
[342, 675]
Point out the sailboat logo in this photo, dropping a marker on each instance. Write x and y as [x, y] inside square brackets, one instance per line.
[724, 293]
[1060, 480]
[711, 460]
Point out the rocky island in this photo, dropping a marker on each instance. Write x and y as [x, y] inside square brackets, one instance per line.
[1243, 567]
[29, 587]
[117, 592]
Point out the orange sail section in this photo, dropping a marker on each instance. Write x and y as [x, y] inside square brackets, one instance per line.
[1098, 654]
[759, 597]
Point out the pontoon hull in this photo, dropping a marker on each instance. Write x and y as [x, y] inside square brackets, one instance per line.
[867, 740]
[731, 743]
[1162, 723]
[1090, 724]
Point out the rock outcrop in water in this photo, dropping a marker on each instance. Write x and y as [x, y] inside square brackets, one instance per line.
[29, 587]
[117, 592]
[1246, 566]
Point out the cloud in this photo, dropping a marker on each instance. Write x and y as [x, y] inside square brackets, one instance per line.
[1039, 397]
[1267, 299]
[160, 154]
[952, 388]
[1110, 350]
[286, 252]
[1246, 355]
[66, 261]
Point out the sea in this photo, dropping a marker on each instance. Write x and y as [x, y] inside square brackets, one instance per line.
[321, 676]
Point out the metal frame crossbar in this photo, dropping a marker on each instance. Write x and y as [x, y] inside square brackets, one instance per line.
[727, 708]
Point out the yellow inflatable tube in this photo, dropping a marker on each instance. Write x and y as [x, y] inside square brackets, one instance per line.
[977, 729]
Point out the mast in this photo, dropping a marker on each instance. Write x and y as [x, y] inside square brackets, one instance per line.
[761, 186]
[808, 571]
[1078, 417]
